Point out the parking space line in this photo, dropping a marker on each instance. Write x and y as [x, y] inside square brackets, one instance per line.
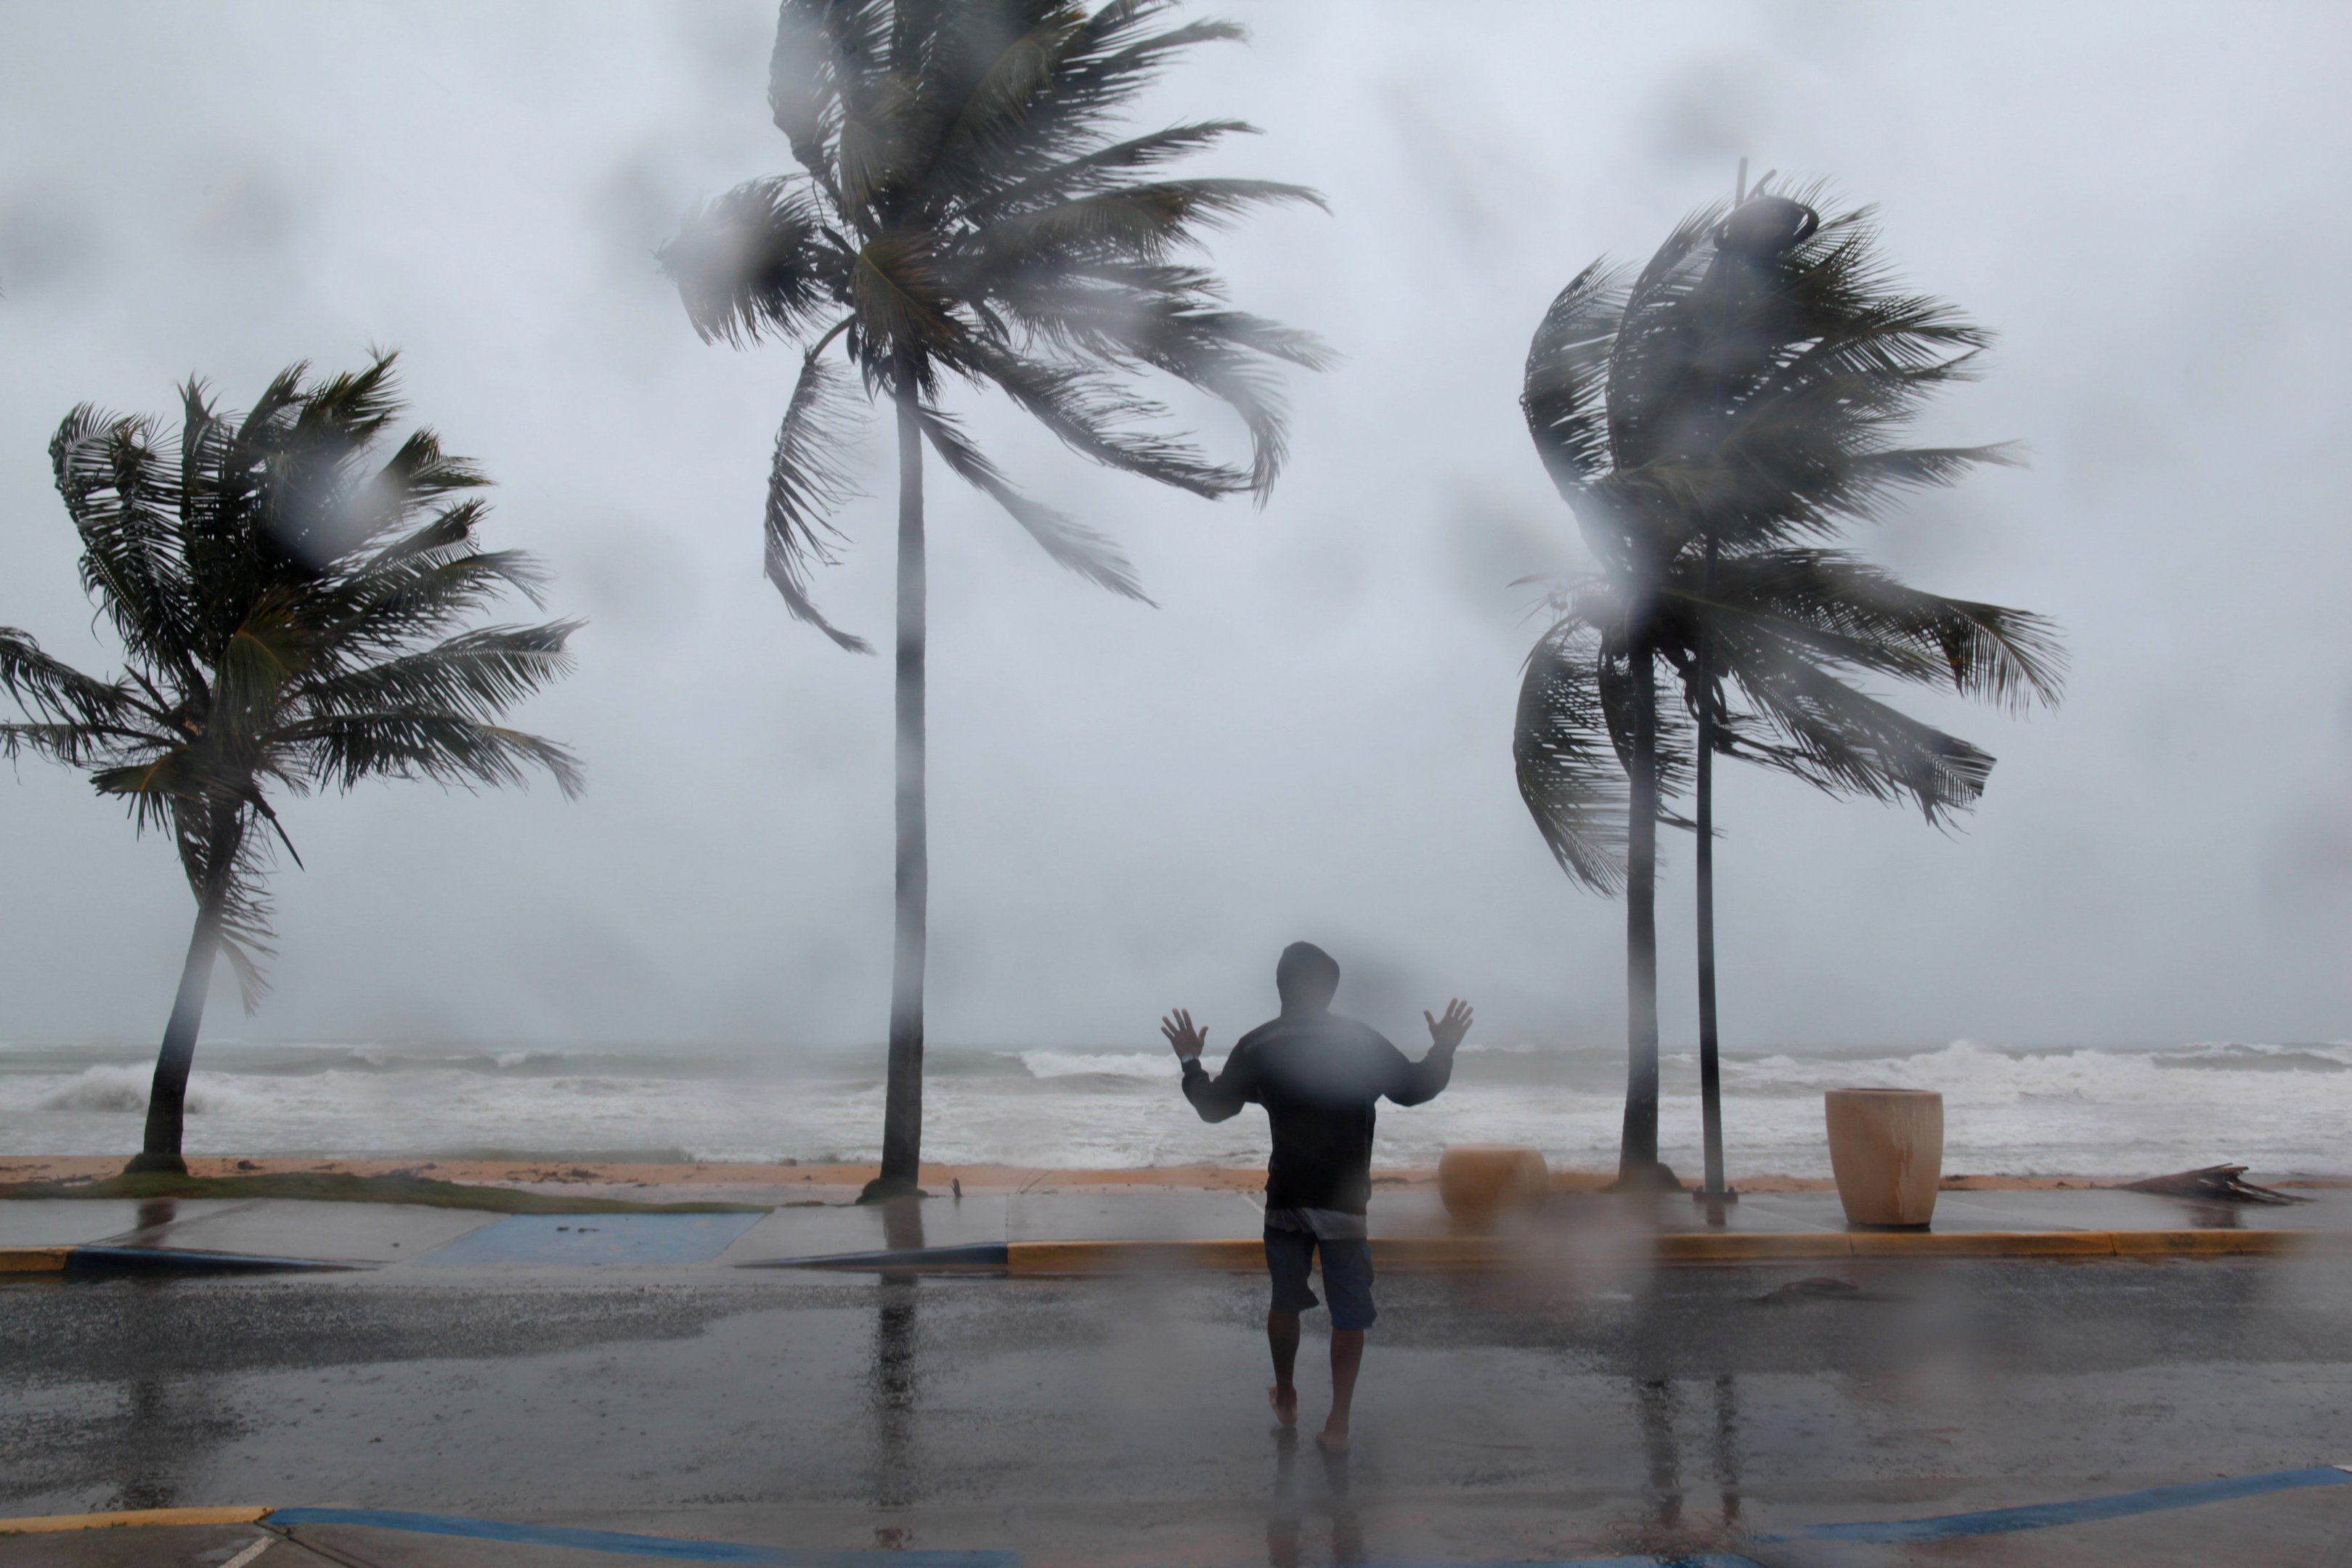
[250, 1553]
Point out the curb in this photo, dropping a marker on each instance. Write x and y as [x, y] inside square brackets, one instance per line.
[33, 1259]
[102, 1260]
[1471, 1254]
[53, 1523]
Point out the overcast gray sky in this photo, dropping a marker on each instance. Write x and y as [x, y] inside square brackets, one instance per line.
[1310, 736]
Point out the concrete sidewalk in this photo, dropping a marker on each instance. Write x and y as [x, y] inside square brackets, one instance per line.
[1066, 1232]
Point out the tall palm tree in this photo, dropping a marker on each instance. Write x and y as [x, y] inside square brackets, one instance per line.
[293, 605]
[964, 212]
[1709, 419]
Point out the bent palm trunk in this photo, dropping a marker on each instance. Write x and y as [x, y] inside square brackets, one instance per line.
[1710, 1071]
[167, 1097]
[902, 1110]
[1637, 1155]
[1710, 1068]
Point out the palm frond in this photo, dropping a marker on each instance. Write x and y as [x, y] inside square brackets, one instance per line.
[808, 482]
[1655, 357]
[1098, 169]
[1095, 417]
[478, 673]
[1082, 549]
[1563, 389]
[420, 596]
[1108, 60]
[73, 744]
[446, 748]
[1840, 609]
[215, 840]
[755, 261]
[1845, 742]
[54, 690]
[123, 497]
[803, 72]
[1568, 776]
[1138, 223]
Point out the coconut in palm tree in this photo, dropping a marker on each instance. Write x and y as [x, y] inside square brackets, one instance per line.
[965, 213]
[295, 605]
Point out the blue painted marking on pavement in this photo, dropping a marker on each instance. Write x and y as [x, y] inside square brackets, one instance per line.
[597, 1239]
[973, 1255]
[2040, 1516]
[619, 1542]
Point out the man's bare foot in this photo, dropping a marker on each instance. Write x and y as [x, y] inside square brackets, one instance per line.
[1334, 1443]
[1285, 1403]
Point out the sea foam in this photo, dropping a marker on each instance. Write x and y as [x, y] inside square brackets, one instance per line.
[2084, 1110]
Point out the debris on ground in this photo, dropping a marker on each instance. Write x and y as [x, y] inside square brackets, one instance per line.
[2223, 1183]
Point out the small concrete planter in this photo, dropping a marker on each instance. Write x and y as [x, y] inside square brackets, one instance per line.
[1886, 1148]
[1481, 1183]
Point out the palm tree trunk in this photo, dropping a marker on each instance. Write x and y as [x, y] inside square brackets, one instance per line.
[1710, 1070]
[167, 1096]
[902, 1109]
[1637, 1156]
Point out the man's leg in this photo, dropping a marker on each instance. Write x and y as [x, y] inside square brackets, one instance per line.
[1347, 1358]
[1348, 1280]
[1282, 1338]
[1289, 1255]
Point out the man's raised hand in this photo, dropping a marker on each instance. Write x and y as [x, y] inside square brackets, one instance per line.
[1183, 1038]
[1447, 1033]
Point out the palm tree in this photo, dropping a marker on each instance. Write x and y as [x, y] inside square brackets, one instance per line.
[293, 607]
[963, 210]
[1708, 419]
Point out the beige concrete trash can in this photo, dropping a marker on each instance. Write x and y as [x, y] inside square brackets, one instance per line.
[1886, 1148]
[1481, 1183]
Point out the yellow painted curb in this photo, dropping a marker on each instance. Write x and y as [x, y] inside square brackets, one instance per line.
[32, 1260]
[2216, 1243]
[1982, 1244]
[1408, 1254]
[50, 1523]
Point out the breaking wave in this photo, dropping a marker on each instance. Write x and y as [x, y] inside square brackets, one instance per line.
[2082, 1109]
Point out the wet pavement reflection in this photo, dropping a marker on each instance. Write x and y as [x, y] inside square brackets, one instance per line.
[1114, 1422]
[893, 1384]
[1287, 1531]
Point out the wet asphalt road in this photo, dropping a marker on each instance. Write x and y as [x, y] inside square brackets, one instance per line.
[1124, 1421]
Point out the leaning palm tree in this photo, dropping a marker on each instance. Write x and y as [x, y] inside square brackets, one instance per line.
[964, 213]
[1709, 419]
[293, 606]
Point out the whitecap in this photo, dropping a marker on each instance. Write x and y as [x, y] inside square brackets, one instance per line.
[1103, 1064]
[122, 1090]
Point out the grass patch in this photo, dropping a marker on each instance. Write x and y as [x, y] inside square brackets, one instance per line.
[339, 1187]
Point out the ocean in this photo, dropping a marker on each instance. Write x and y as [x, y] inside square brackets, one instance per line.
[2104, 1110]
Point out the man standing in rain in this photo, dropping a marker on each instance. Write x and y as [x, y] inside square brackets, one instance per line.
[1317, 1075]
